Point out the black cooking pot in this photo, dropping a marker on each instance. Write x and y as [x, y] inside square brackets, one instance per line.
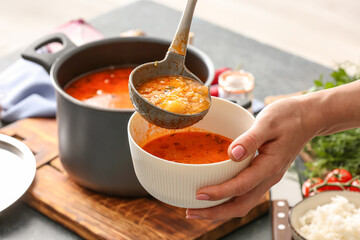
[93, 141]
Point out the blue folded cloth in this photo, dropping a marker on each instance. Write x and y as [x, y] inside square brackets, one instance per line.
[26, 91]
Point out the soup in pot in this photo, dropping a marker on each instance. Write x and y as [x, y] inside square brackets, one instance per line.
[106, 88]
[190, 147]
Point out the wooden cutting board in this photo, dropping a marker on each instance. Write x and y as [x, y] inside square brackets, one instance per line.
[96, 216]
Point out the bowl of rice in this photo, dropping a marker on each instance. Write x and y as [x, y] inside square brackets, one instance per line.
[327, 215]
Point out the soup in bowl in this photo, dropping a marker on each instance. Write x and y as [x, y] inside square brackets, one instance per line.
[175, 181]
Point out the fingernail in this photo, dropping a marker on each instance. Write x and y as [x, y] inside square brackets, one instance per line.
[202, 196]
[238, 152]
[193, 217]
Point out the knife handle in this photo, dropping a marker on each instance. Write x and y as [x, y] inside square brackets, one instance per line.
[280, 224]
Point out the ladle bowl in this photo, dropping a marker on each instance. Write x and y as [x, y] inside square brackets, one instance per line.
[152, 113]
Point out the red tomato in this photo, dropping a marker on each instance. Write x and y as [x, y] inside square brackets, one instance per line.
[338, 175]
[308, 184]
[218, 72]
[354, 189]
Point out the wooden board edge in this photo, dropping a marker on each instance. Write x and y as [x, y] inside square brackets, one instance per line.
[217, 231]
[262, 208]
[51, 213]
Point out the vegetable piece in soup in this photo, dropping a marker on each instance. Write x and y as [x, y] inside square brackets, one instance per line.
[104, 88]
[190, 147]
[177, 94]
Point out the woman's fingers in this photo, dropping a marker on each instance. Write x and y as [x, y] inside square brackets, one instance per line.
[245, 145]
[261, 167]
[277, 143]
[238, 206]
[249, 142]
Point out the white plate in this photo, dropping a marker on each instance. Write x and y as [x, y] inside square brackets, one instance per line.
[17, 170]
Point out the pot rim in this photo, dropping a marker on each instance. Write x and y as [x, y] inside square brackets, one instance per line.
[63, 58]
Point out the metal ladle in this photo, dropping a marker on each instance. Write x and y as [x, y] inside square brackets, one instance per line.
[172, 64]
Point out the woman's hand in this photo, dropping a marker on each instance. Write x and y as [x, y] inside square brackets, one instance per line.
[279, 133]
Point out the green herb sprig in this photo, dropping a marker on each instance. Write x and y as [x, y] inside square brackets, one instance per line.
[340, 77]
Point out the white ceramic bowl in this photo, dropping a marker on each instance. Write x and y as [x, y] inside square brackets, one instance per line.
[176, 183]
[312, 203]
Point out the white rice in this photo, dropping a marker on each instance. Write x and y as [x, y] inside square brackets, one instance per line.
[338, 220]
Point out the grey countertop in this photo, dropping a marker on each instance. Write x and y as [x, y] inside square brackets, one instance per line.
[275, 71]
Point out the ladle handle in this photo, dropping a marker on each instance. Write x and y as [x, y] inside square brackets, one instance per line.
[179, 43]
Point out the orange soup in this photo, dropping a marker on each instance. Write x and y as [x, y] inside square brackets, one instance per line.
[105, 88]
[190, 147]
[176, 94]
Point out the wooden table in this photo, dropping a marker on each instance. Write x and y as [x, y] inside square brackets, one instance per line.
[275, 71]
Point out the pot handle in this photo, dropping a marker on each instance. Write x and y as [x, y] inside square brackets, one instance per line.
[46, 60]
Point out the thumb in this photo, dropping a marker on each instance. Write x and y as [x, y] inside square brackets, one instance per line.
[245, 145]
